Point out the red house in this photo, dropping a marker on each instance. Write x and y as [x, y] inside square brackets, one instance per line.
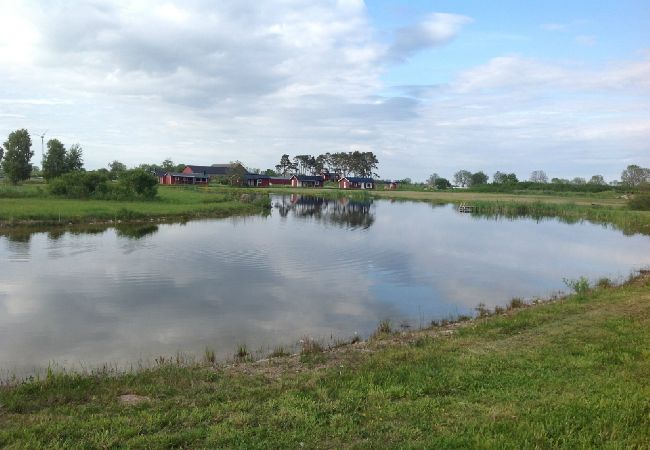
[306, 181]
[182, 178]
[356, 183]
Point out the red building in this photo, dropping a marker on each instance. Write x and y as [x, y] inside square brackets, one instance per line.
[182, 178]
[356, 183]
[307, 181]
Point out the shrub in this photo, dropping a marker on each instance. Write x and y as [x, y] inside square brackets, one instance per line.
[579, 286]
[80, 185]
[604, 283]
[310, 346]
[133, 184]
[640, 202]
[384, 327]
[138, 183]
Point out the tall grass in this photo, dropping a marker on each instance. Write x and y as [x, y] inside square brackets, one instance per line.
[630, 222]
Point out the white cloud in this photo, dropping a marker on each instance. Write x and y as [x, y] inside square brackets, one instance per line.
[141, 81]
[435, 30]
[587, 40]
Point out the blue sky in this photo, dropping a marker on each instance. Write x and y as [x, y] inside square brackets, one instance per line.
[428, 86]
[546, 30]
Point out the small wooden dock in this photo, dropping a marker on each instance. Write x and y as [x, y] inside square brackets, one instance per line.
[465, 208]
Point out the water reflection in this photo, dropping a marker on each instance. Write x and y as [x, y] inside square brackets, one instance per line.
[122, 294]
[343, 211]
[136, 231]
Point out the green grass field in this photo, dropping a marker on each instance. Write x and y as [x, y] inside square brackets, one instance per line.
[31, 203]
[572, 373]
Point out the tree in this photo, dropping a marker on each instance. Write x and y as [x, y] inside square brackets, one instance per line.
[538, 176]
[285, 166]
[597, 180]
[431, 181]
[236, 173]
[555, 180]
[138, 183]
[463, 178]
[17, 156]
[478, 178]
[74, 159]
[115, 169]
[635, 175]
[442, 183]
[168, 165]
[504, 178]
[54, 159]
[578, 180]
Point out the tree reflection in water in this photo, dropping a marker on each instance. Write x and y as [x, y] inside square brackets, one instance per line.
[343, 211]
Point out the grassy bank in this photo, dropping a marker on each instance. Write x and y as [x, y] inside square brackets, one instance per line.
[566, 374]
[31, 204]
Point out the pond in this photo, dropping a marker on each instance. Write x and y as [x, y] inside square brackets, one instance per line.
[312, 267]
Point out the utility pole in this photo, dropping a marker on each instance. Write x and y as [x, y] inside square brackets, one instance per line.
[43, 148]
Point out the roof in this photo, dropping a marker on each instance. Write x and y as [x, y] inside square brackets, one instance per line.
[359, 179]
[215, 169]
[256, 176]
[186, 175]
[309, 177]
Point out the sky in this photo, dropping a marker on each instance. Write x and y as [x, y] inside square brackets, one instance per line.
[428, 86]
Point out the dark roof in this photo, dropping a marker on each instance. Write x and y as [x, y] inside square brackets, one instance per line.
[359, 180]
[215, 169]
[187, 175]
[281, 178]
[309, 177]
[256, 176]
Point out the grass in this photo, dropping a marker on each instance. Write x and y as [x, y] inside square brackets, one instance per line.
[572, 373]
[31, 204]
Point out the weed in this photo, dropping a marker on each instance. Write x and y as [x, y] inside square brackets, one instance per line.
[515, 303]
[209, 356]
[355, 339]
[242, 354]
[499, 309]
[310, 346]
[384, 327]
[580, 286]
[279, 352]
[482, 310]
[604, 283]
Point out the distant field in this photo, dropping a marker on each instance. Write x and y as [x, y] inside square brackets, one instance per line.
[609, 199]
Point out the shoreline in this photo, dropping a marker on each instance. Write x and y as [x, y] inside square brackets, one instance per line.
[508, 379]
[384, 333]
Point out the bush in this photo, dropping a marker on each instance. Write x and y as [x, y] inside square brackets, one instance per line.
[138, 183]
[132, 184]
[640, 202]
[80, 185]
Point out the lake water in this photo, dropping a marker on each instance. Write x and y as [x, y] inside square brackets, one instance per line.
[322, 268]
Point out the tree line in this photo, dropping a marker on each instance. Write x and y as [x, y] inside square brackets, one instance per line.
[361, 164]
[65, 174]
[632, 176]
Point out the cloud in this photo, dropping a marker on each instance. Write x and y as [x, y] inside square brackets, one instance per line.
[143, 80]
[435, 30]
[587, 40]
[553, 26]
[516, 72]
